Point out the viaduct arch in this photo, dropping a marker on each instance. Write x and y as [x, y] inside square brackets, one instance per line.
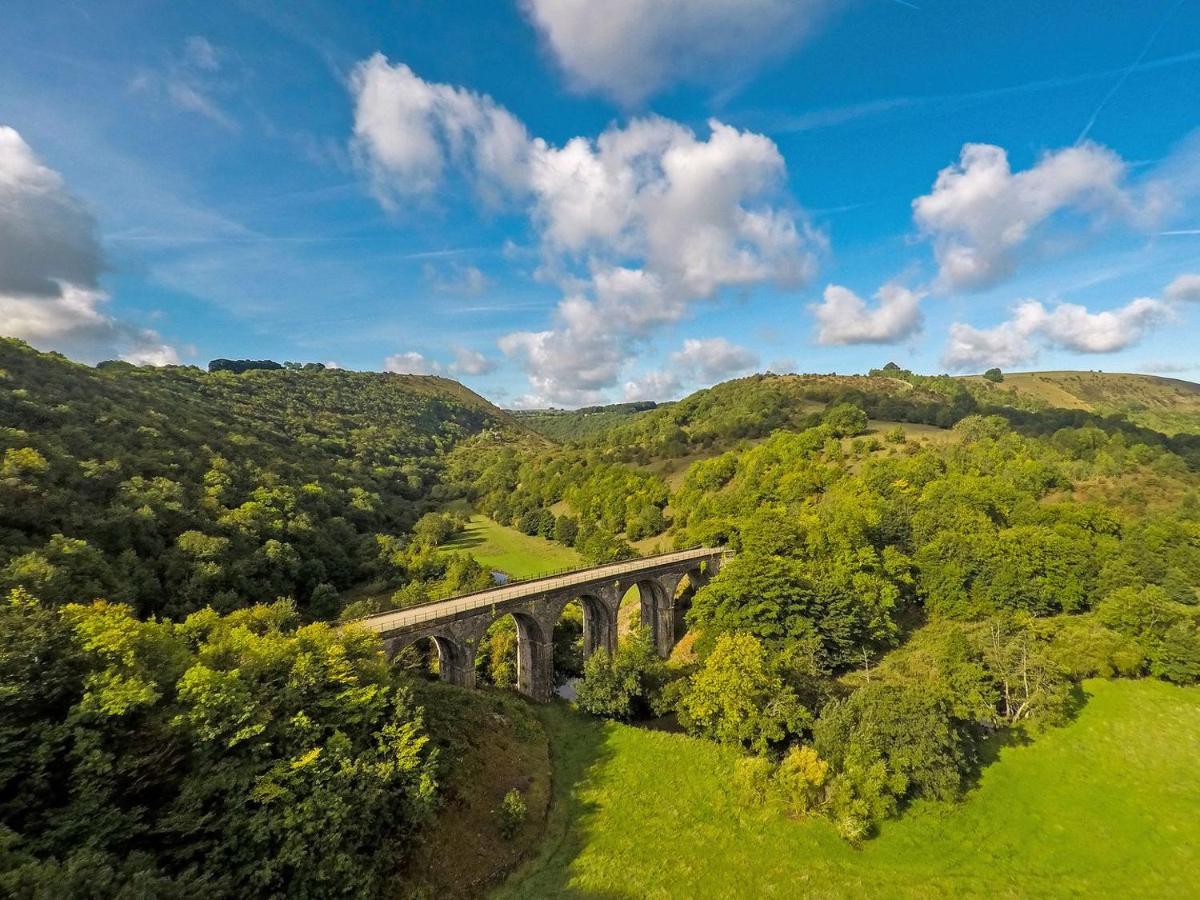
[456, 626]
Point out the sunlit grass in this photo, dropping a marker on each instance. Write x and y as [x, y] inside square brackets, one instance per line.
[1105, 806]
[508, 550]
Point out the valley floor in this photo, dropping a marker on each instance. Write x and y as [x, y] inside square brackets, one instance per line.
[1105, 806]
[504, 549]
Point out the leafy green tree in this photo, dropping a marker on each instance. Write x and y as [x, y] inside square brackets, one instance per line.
[565, 530]
[781, 599]
[212, 757]
[888, 743]
[739, 696]
[846, 420]
[619, 685]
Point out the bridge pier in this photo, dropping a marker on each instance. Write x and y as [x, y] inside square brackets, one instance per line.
[457, 626]
[535, 658]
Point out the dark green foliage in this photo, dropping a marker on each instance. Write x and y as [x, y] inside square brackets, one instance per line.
[784, 600]
[237, 366]
[568, 644]
[994, 375]
[217, 757]
[566, 529]
[620, 685]
[890, 743]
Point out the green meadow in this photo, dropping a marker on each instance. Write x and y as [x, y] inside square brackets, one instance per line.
[1105, 806]
[510, 551]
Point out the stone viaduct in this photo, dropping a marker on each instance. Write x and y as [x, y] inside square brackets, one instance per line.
[457, 625]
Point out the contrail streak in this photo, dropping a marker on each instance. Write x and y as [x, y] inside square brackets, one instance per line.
[1125, 74]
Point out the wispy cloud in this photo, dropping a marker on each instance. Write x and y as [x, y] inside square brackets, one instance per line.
[829, 117]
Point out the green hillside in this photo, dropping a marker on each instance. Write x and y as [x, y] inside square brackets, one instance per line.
[174, 488]
[570, 425]
[1169, 405]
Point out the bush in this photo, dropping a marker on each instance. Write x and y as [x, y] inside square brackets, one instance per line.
[846, 420]
[800, 780]
[752, 781]
[620, 685]
[513, 812]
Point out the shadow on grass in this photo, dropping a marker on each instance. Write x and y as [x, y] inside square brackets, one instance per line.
[578, 748]
[463, 540]
[995, 743]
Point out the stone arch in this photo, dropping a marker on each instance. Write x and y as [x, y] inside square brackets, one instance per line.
[456, 662]
[599, 624]
[655, 597]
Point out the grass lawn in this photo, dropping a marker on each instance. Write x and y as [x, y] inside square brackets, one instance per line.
[508, 550]
[1106, 806]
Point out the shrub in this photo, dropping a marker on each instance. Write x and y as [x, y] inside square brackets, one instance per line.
[800, 780]
[619, 685]
[752, 781]
[513, 812]
[890, 743]
[846, 420]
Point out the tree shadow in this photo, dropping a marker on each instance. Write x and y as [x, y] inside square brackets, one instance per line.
[994, 744]
[463, 540]
[578, 751]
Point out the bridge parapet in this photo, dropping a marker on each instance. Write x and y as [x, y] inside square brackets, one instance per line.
[458, 624]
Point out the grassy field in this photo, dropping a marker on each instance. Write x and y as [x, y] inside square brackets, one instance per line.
[1105, 806]
[508, 550]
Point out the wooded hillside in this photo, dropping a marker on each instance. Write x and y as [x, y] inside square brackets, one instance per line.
[175, 488]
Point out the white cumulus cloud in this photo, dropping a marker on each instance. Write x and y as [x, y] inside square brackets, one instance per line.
[700, 361]
[471, 362]
[1067, 326]
[1185, 288]
[50, 265]
[713, 359]
[411, 363]
[406, 130]
[981, 216]
[630, 49]
[845, 318]
[635, 225]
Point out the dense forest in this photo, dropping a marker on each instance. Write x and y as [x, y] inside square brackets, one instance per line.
[174, 489]
[920, 562]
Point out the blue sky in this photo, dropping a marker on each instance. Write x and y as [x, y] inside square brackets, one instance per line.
[562, 202]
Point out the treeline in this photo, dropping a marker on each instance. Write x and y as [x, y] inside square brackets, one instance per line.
[755, 406]
[892, 604]
[172, 489]
[578, 425]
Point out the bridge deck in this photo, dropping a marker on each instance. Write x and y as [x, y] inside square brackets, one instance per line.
[446, 610]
